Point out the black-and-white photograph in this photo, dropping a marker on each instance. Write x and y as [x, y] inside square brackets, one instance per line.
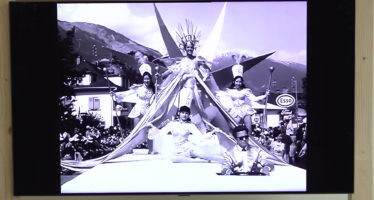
[204, 97]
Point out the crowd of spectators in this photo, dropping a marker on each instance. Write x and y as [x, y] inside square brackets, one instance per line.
[90, 142]
[287, 141]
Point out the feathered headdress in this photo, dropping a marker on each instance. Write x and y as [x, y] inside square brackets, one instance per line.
[188, 35]
[237, 69]
[238, 57]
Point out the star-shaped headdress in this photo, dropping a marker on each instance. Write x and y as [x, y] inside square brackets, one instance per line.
[188, 35]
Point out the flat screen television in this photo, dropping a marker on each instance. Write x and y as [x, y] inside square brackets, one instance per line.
[85, 121]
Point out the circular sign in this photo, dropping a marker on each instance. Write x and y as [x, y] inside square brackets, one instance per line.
[285, 100]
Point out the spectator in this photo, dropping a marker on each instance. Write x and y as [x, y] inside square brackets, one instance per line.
[277, 147]
[293, 148]
[289, 128]
[283, 127]
[301, 153]
[286, 140]
[276, 131]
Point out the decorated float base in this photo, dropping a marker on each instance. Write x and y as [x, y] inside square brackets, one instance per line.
[139, 172]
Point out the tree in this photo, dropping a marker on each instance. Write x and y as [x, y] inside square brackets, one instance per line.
[68, 78]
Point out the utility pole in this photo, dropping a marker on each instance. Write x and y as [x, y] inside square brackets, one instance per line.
[294, 84]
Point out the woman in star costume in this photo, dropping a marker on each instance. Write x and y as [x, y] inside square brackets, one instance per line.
[189, 66]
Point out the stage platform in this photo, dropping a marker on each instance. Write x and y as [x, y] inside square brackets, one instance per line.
[143, 173]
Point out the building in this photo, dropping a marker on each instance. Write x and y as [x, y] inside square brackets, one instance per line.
[92, 93]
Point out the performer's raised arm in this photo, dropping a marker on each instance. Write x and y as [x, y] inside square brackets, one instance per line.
[252, 97]
[143, 94]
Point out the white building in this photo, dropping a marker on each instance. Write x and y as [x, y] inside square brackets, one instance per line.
[92, 94]
[272, 113]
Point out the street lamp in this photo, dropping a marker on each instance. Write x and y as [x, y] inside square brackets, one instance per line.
[271, 70]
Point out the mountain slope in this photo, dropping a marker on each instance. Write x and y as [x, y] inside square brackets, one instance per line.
[257, 78]
[110, 43]
[105, 37]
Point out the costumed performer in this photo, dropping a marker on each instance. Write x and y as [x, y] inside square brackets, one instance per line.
[245, 159]
[188, 140]
[238, 99]
[144, 93]
[190, 65]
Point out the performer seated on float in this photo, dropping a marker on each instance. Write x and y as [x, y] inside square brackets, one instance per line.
[237, 98]
[243, 158]
[188, 141]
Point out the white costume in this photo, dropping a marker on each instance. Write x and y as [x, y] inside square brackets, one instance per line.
[186, 136]
[238, 101]
[187, 66]
[144, 95]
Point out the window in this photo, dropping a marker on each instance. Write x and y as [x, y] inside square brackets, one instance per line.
[94, 103]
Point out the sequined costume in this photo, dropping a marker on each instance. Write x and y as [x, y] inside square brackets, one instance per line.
[188, 68]
[144, 95]
[186, 136]
[238, 102]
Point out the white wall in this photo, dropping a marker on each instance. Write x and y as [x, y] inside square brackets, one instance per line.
[106, 104]
[273, 119]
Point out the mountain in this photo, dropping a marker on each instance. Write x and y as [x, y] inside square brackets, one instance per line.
[88, 34]
[257, 78]
[110, 43]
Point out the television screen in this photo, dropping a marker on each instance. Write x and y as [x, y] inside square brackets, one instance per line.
[181, 98]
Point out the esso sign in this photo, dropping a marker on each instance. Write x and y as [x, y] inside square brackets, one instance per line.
[285, 100]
